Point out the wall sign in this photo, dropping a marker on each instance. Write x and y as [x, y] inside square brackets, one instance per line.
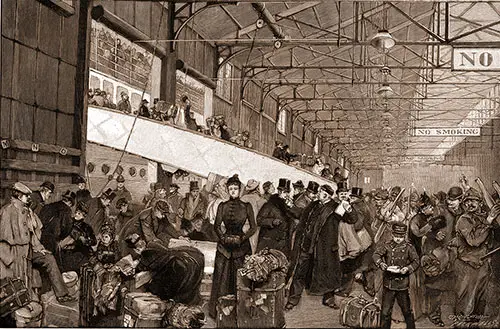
[475, 59]
[446, 132]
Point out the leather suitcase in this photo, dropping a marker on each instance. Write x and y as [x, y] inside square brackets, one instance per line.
[358, 312]
[226, 312]
[13, 295]
[143, 309]
[261, 305]
[56, 314]
[29, 316]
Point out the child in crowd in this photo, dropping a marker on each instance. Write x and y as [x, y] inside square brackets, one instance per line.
[107, 248]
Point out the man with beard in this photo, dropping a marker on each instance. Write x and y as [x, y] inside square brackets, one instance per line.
[194, 205]
[159, 193]
[318, 266]
[276, 221]
[473, 229]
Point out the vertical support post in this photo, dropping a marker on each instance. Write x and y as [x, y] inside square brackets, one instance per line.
[168, 70]
[446, 21]
[81, 82]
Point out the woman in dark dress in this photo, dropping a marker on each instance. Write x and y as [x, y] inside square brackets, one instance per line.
[233, 243]
[76, 249]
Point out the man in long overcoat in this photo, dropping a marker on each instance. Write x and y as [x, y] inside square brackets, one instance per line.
[57, 221]
[318, 264]
[276, 221]
[99, 210]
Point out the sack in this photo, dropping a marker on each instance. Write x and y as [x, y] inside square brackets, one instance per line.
[365, 240]
[143, 309]
[13, 295]
[357, 312]
[29, 316]
[71, 281]
[349, 244]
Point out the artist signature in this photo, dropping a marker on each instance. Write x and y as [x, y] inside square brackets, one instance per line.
[473, 321]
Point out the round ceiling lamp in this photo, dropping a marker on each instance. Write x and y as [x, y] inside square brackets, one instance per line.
[385, 91]
[383, 41]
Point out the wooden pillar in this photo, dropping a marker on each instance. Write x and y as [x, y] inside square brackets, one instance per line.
[81, 81]
[168, 69]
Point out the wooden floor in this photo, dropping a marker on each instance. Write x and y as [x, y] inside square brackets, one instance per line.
[310, 313]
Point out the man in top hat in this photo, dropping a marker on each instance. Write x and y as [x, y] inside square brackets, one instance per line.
[83, 194]
[57, 220]
[343, 192]
[124, 103]
[308, 196]
[397, 259]
[41, 197]
[194, 205]
[276, 221]
[316, 264]
[473, 230]
[120, 192]
[298, 189]
[99, 210]
[20, 248]
[252, 196]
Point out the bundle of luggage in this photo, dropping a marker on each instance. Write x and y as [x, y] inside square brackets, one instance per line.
[56, 314]
[143, 309]
[260, 298]
[259, 266]
[358, 312]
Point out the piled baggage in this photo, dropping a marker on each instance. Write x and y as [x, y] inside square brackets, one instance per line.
[56, 314]
[358, 312]
[143, 309]
[260, 299]
[13, 296]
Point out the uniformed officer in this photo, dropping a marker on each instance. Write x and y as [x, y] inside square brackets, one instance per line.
[398, 259]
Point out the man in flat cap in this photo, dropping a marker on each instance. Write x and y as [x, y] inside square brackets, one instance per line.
[473, 231]
[20, 248]
[99, 210]
[194, 205]
[124, 103]
[120, 192]
[41, 197]
[174, 199]
[397, 259]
